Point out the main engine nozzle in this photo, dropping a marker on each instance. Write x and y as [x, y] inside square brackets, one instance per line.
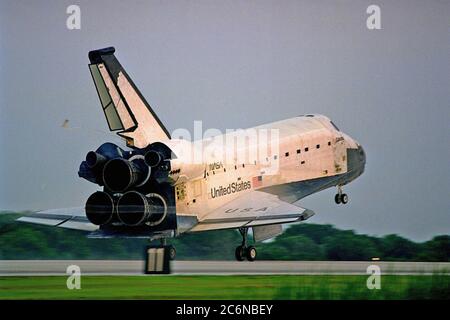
[99, 208]
[120, 174]
[93, 159]
[134, 208]
[153, 158]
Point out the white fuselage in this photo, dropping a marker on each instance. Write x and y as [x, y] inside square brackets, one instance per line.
[309, 148]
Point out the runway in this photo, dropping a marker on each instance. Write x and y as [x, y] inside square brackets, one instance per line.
[135, 267]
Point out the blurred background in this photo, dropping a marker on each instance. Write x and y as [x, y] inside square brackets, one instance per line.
[237, 64]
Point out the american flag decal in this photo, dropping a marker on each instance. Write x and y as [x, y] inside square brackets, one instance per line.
[257, 181]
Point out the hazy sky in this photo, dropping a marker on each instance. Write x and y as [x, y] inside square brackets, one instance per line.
[236, 64]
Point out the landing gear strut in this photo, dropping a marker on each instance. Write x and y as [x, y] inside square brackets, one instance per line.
[243, 251]
[340, 197]
[171, 248]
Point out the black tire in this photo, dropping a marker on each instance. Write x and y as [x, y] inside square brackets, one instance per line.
[344, 198]
[239, 253]
[337, 198]
[251, 253]
[172, 253]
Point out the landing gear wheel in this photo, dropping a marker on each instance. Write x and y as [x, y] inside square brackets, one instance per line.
[240, 253]
[344, 198]
[337, 198]
[251, 253]
[172, 253]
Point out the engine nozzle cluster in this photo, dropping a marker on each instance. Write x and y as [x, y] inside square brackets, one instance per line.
[129, 182]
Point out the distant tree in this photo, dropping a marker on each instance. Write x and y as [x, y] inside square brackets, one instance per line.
[437, 249]
[291, 248]
[394, 247]
[207, 245]
[316, 232]
[300, 241]
[349, 247]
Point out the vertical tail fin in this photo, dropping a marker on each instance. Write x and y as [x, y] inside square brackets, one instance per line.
[126, 110]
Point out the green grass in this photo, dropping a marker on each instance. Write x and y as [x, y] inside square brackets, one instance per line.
[227, 287]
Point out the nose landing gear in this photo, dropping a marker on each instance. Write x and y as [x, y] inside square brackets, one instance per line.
[340, 197]
[243, 251]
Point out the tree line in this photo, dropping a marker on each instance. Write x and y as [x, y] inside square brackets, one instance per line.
[303, 241]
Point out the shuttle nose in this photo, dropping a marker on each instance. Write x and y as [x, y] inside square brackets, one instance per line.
[362, 157]
[362, 154]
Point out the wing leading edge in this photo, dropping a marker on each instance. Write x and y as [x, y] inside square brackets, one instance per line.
[70, 218]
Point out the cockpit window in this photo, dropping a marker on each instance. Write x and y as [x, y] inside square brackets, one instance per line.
[334, 126]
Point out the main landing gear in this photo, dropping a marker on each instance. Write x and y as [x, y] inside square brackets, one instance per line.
[243, 251]
[171, 248]
[340, 197]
